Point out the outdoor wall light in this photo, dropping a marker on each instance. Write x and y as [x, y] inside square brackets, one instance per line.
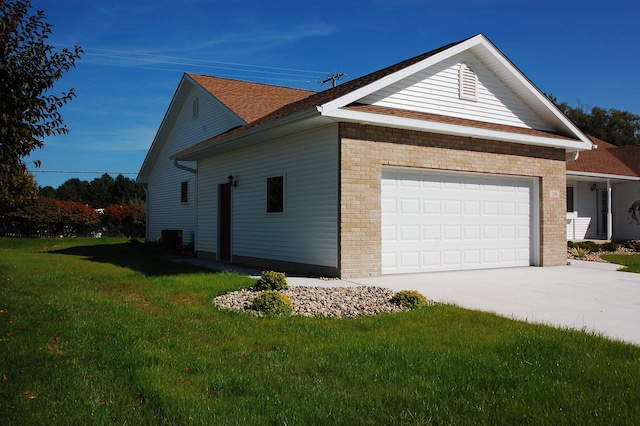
[232, 181]
[594, 187]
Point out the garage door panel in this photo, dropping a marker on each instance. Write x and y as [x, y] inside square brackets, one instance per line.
[454, 221]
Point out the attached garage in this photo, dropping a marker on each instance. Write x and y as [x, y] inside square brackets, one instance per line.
[440, 221]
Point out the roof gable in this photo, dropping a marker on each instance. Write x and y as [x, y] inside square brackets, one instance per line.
[249, 101]
[237, 104]
[437, 90]
[528, 104]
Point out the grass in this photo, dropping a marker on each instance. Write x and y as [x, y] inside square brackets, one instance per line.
[102, 331]
[630, 261]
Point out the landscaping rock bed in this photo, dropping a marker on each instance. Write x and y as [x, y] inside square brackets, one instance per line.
[596, 256]
[323, 301]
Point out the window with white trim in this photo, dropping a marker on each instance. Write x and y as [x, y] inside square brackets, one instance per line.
[468, 81]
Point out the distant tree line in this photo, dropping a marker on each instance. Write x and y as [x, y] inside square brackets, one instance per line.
[611, 125]
[104, 206]
[99, 193]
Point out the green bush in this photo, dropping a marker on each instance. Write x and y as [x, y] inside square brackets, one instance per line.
[588, 245]
[271, 302]
[609, 247]
[411, 299]
[271, 280]
[570, 244]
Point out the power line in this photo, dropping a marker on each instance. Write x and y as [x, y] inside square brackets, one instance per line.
[121, 57]
[207, 61]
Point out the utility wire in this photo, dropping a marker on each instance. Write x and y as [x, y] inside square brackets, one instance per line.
[136, 60]
[207, 61]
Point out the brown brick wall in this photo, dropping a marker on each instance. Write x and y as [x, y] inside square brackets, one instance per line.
[366, 149]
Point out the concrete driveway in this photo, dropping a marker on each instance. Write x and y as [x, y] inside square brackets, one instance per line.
[585, 295]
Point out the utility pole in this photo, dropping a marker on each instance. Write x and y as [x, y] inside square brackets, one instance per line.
[333, 79]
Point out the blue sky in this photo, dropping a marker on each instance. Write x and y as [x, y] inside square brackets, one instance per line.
[585, 52]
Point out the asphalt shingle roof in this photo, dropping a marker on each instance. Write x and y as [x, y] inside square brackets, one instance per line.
[250, 101]
[608, 159]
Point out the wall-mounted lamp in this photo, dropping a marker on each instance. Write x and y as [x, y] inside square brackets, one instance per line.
[232, 181]
[594, 187]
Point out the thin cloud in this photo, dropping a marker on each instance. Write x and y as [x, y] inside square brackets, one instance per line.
[270, 37]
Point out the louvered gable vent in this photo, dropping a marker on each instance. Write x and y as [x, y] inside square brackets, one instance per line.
[468, 83]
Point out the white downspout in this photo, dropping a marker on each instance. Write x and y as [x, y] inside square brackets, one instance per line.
[195, 207]
[185, 168]
[574, 157]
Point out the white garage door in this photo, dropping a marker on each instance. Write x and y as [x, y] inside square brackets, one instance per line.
[440, 221]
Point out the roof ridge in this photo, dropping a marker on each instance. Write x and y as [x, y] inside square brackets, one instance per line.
[192, 75]
[332, 93]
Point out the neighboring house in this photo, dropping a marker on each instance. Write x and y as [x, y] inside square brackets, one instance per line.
[601, 186]
[449, 160]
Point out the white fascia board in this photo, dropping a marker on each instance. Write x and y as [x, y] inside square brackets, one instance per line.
[522, 79]
[152, 153]
[603, 176]
[452, 129]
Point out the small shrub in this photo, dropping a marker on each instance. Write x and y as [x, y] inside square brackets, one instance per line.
[271, 280]
[272, 303]
[609, 247]
[579, 252]
[570, 244]
[589, 245]
[411, 299]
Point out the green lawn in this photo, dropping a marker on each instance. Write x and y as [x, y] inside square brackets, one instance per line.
[630, 261]
[106, 332]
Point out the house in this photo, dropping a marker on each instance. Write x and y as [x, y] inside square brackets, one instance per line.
[601, 186]
[449, 160]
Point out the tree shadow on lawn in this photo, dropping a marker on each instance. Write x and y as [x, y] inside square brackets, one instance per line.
[146, 258]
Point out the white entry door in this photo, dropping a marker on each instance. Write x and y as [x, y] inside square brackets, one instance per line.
[440, 221]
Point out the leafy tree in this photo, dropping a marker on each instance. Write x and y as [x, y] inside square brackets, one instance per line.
[74, 189]
[100, 191]
[29, 68]
[126, 190]
[611, 125]
[16, 189]
[48, 191]
[128, 220]
[46, 217]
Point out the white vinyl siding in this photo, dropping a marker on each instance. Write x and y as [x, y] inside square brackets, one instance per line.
[164, 206]
[439, 221]
[308, 232]
[436, 90]
[623, 195]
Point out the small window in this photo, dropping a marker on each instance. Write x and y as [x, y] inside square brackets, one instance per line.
[275, 194]
[184, 192]
[195, 108]
[468, 83]
[570, 199]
